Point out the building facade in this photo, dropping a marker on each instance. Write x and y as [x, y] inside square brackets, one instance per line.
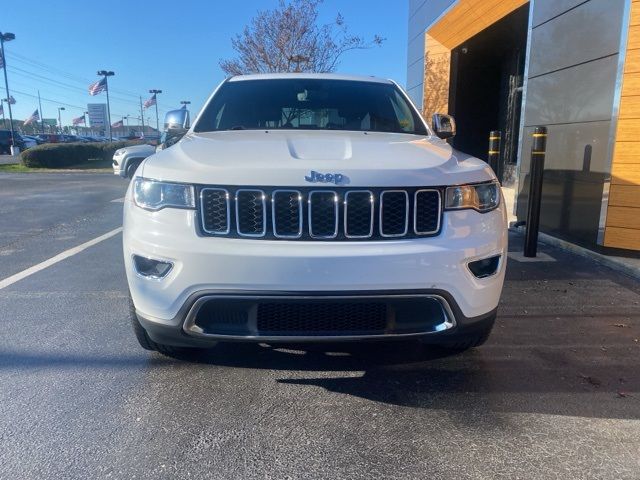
[570, 65]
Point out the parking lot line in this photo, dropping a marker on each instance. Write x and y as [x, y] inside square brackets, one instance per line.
[58, 258]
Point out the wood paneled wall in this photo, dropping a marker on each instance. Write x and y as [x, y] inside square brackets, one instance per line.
[623, 215]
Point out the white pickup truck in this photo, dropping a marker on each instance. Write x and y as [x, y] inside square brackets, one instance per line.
[309, 207]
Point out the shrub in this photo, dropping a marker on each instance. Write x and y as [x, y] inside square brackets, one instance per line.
[61, 155]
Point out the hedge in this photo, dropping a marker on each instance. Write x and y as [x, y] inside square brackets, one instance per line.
[61, 155]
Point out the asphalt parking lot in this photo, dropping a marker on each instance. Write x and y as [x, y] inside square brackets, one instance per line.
[555, 394]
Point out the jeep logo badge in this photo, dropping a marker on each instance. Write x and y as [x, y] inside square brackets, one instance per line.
[316, 177]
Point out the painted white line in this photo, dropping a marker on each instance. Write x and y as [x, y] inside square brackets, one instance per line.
[58, 258]
[118, 200]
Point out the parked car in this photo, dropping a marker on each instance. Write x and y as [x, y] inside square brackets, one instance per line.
[29, 141]
[313, 207]
[5, 141]
[49, 138]
[126, 160]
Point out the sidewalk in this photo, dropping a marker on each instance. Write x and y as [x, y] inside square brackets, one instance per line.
[574, 323]
[9, 159]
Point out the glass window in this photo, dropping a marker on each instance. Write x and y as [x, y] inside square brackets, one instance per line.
[310, 104]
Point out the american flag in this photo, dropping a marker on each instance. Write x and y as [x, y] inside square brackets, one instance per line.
[78, 120]
[98, 87]
[35, 116]
[150, 102]
[118, 124]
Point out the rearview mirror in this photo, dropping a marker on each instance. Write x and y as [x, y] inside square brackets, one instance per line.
[444, 126]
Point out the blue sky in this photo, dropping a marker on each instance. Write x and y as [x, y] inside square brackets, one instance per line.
[172, 46]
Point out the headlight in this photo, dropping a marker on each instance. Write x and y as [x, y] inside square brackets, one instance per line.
[154, 195]
[482, 197]
[118, 152]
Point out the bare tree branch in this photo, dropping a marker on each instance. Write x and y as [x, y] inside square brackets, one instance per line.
[289, 39]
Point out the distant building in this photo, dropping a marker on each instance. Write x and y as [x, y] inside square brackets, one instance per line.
[571, 65]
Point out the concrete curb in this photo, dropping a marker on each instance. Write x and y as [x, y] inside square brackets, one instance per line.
[628, 266]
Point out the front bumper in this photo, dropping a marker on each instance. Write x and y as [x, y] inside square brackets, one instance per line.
[204, 266]
[186, 330]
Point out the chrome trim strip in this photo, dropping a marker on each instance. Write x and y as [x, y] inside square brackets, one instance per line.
[215, 232]
[415, 211]
[346, 205]
[406, 215]
[264, 213]
[191, 329]
[273, 213]
[335, 209]
[615, 114]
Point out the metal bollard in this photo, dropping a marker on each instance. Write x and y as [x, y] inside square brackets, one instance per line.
[493, 159]
[538, 151]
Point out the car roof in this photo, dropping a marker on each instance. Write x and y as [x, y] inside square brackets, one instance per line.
[315, 76]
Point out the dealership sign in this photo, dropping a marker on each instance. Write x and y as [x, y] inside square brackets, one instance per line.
[97, 115]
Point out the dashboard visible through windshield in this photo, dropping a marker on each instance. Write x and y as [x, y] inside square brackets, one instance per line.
[310, 104]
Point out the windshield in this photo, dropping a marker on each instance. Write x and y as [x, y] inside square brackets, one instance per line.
[310, 104]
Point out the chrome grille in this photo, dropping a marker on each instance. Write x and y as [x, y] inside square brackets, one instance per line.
[215, 210]
[394, 213]
[251, 213]
[320, 214]
[286, 213]
[323, 214]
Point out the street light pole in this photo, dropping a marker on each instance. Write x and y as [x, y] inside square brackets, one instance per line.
[141, 116]
[156, 92]
[106, 74]
[41, 114]
[60, 118]
[86, 125]
[7, 37]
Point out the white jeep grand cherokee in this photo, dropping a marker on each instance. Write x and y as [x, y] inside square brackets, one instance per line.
[308, 207]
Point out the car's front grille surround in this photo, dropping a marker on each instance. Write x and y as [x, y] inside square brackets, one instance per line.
[320, 214]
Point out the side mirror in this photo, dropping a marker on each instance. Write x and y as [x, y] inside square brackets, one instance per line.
[444, 126]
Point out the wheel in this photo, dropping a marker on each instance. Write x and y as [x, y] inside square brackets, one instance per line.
[132, 166]
[148, 344]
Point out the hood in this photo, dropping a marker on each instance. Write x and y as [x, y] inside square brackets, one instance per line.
[139, 149]
[285, 158]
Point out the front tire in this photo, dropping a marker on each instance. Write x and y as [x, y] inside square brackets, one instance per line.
[132, 166]
[148, 344]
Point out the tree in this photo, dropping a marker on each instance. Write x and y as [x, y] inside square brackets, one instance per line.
[289, 39]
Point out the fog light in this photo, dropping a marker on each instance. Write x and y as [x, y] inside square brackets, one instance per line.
[150, 268]
[485, 267]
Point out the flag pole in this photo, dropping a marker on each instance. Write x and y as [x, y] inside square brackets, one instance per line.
[106, 84]
[41, 114]
[141, 115]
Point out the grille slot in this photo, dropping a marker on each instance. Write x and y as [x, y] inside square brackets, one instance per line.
[289, 318]
[323, 214]
[394, 213]
[215, 210]
[358, 214]
[251, 213]
[320, 214]
[286, 213]
[426, 212]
